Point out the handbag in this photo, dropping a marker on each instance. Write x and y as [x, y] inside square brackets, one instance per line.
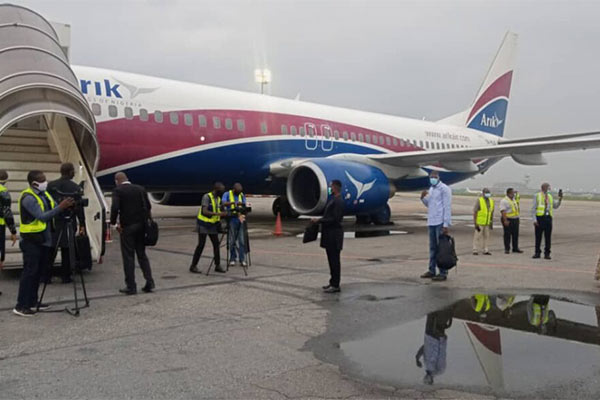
[150, 226]
[311, 233]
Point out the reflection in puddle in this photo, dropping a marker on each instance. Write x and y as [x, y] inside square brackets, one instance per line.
[521, 345]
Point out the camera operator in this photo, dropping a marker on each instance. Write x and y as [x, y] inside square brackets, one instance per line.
[234, 202]
[57, 190]
[37, 209]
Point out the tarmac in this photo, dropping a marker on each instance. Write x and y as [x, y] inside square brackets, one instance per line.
[273, 334]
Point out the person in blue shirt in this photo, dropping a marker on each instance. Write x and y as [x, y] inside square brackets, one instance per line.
[232, 200]
[438, 201]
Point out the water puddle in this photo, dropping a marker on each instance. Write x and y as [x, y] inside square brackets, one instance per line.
[517, 346]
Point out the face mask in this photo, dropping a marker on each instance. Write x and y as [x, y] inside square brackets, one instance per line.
[487, 195]
[329, 191]
[41, 186]
[434, 181]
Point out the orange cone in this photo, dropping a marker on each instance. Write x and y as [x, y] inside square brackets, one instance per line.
[278, 228]
[108, 237]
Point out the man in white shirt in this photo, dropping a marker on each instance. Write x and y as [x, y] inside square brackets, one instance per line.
[510, 209]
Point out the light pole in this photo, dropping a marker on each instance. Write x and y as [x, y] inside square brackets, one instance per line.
[263, 77]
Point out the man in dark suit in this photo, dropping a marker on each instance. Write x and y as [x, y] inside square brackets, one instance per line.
[65, 184]
[332, 234]
[130, 204]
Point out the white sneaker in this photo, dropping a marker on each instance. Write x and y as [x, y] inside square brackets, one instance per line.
[23, 312]
[232, 263]
[244, 264]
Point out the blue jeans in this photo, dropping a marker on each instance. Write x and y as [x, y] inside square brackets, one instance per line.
[236, 240]
[434, 239]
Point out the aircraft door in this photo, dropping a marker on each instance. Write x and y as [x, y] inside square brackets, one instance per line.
[312, 136]
[326, 138]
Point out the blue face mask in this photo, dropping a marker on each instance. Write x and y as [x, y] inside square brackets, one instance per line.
[487, 195]
[329, 191]
[434, 181]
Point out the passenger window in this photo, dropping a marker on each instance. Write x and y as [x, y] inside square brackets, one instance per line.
[263, 127]
[96, 109]
[353, 136]
[128, 113]
[174, 118]
[241, 125]
[158, 117]
[284, 130]
[368, 138]
[345, 135]
[311, 131]
[143, 114]
[326, 132]
[420, 143]
[302, 131]
[361, 138]
[388, 141]
[188, 119]
[216, 122]
[336, 135]
[437, 145]
[112, 111]
[228, 124]
[395, 141]
[202, 121]
[381, 140]
[293, 130]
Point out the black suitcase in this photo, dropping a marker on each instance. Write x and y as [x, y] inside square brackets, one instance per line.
[84, 252]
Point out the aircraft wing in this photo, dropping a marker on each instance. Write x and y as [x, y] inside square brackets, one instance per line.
[545, 138]
[461, 160]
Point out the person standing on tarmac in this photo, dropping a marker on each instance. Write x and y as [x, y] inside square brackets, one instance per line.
[37, 209]
[510, 210]
[438, 201]
[543, 212]
[483, 218]
[6, 218]
[209, 218]
[232, 200]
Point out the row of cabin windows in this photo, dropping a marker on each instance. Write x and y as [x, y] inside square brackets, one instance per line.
[303, 131]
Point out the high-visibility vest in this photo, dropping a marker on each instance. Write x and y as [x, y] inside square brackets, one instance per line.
[541, 205]
[215, 207]
[232, 199]
[484, 215]
[481, 303]
[505, 302]
[539, 315]
[514, 205]
[35, 226]
[2, 189]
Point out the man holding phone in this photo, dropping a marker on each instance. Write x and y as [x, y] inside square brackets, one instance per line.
[543, 212]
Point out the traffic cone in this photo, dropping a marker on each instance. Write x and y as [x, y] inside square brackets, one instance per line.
[278, 228]
[108, 237]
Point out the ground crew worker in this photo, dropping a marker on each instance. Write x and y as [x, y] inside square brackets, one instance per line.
[539, 313]
[232, 200]
[37, 209]
[6, 217]
[209, 218]
[510, 210]
[483, 218]
[481, 304]
[543, 211]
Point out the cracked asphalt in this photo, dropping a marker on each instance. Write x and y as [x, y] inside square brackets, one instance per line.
[273, 334]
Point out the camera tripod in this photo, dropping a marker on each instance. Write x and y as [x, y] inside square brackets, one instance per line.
[226, 235]
[67, 230]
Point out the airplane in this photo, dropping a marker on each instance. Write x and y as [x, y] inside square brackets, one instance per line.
[176, 138]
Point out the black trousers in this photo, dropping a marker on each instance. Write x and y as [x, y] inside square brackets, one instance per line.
[132, 244]
[544, 227]
[36, 262]
[2, 242]
[335, 265]
[214, 238]
[511, 234]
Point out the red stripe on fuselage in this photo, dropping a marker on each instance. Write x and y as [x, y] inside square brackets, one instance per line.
[124, 140]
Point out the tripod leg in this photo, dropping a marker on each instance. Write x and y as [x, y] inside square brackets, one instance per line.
[228, 248]
[72, 261]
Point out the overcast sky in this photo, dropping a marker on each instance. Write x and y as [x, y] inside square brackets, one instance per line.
[407, 58]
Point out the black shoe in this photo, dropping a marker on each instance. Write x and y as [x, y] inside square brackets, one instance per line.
[148, 288]
[23, 312]
[67, 280]
[427, 275]
[487, 253]
[195, 270]
[517, 251]
[220, 269]
[439, 278]
[332, 289]
[506, 251]
[43, 307]
[536, 256]
[128, 291]
[547, 257]
[326, 287]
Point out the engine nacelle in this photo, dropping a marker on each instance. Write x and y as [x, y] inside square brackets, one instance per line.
[176, 199]
[364, 188]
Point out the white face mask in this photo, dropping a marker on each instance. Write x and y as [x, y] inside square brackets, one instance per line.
[41, 186]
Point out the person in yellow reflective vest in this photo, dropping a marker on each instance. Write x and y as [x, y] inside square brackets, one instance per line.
[208, 220]
[543, 213]
[37, 209]
[481, 303]
[539, 314]
[231, 200]
[6, 217]
[510, 210]
[483, 219]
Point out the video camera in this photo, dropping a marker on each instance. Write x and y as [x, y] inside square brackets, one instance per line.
[77, 196]
[243, 209]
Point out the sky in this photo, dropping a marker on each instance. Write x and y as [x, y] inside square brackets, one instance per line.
[419, 59]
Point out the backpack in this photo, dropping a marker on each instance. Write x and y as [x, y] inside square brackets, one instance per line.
[446, 256]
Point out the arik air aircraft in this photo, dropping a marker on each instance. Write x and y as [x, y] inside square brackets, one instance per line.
[176, 138]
